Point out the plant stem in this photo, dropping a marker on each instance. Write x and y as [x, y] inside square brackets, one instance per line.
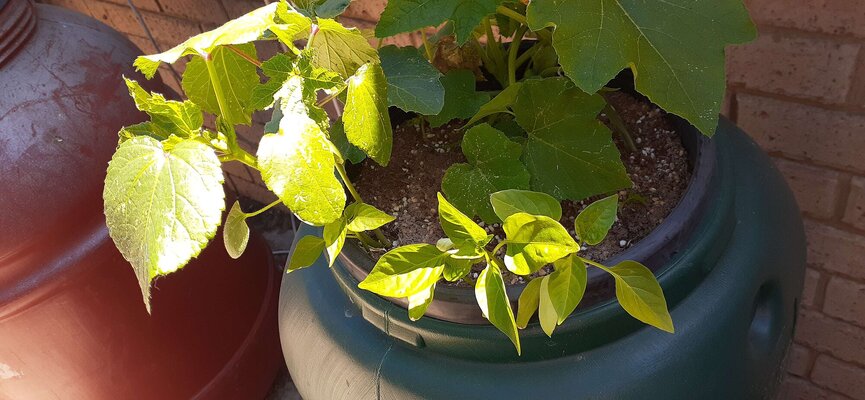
[241, 155]
[496, 53]
[511, 14]
[237, 153]
[526, 55]
[244, 55]
[383, 242]
[426, 46]
[498, 246]
[596, 264]
[263, 209]
[330, 97]
[619, 127]
[512, 54]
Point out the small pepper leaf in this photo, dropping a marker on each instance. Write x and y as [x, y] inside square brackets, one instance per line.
[567, 284]
[595, 221]
[493, 300]
[640, 294]
[334, 238]
[235, 233]
[364, 217]
[512, 201]
[547, 311]
[405, 271]
[418, 303]
[306, 252]
[528, 303]
[461, 230]
[534, 241]
[457, 268]
[499, 104]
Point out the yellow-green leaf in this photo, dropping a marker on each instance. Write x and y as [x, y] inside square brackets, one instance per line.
[640, 294]
[405, 271]
[499, 104]
[528, 303]
[567, 284]
[366, 120]
[306, 252]
[418, 303]
[534, 241]
[547, 312]
[235, 233]
[461, 230]
[235, 77]
[512, 201]
[364, 217]
[168, 117]
[593, 223]
[334, 237]
[162, 206]
[493, 300]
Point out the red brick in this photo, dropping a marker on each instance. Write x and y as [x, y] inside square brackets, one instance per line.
[116, 16]
[828, 335]
[816, 189]
[794, 388]
[143, 43]
[170, 30]
[800, 359]
[197, 10]
[812, 293]
[835, 250]
[845, 299]
[855, 212]
[826, 16]
[806, 67]
[149, 5]
[804, 132]
[237, 8]
[839, 376]
[76, 5]
[369, 10]
[255, 191]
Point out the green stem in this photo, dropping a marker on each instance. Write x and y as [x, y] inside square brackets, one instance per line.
[383, 242]
[597, 264]
[512, 54]
[511, 14]
[526, 55]
[426, 46]
[263, 209]
[330, 97]
[498, 247]
[244, 55]
[619, 127]
[241, 155]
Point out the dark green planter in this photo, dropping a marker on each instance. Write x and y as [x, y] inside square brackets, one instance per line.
[732, 270]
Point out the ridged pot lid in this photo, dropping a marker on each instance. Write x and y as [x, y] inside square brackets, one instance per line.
[17, 22]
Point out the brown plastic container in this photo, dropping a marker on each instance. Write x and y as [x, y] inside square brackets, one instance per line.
[72, 324]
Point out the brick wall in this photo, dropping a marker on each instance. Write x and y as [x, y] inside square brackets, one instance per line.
[799, 90]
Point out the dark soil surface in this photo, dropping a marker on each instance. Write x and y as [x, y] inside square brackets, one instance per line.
[407, 187]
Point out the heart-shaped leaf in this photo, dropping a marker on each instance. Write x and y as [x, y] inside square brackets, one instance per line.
[409, 15]
[162, 205]
[235, 77]
[413, 84]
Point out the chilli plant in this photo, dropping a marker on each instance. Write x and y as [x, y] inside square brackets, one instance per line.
[530, 142]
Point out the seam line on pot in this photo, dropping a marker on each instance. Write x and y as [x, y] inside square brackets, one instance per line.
[378, 372]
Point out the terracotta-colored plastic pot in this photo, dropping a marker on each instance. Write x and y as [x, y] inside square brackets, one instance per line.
[72, 323]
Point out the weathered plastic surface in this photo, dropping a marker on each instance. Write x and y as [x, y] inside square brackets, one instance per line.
[732, 290]
[72, 323]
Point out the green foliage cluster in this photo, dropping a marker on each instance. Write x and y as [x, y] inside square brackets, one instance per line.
[530, 144]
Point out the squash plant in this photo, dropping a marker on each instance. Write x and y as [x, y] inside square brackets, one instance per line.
[530, 144]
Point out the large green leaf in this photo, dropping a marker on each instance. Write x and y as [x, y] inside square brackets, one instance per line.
[235, 77]
[493, 300]
[413, 84]
[366, 120]
[405, 271]
[640, 294]
[235, 232]
[298, 165]
[244, 29]
[567, 285]
[459, 228]
[168, 117]
[565, 135]
[534, 241]
[461, 99]
[162, 205]
[528, 303]
[409, 15]
[493, 165]
[593, 223]
[297, 105]
[347, 151]
[334, 47]
[509, 202]
[674, 47]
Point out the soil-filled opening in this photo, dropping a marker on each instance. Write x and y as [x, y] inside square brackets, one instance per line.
[407, 187]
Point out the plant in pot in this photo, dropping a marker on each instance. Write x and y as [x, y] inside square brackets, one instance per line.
[530, 181]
